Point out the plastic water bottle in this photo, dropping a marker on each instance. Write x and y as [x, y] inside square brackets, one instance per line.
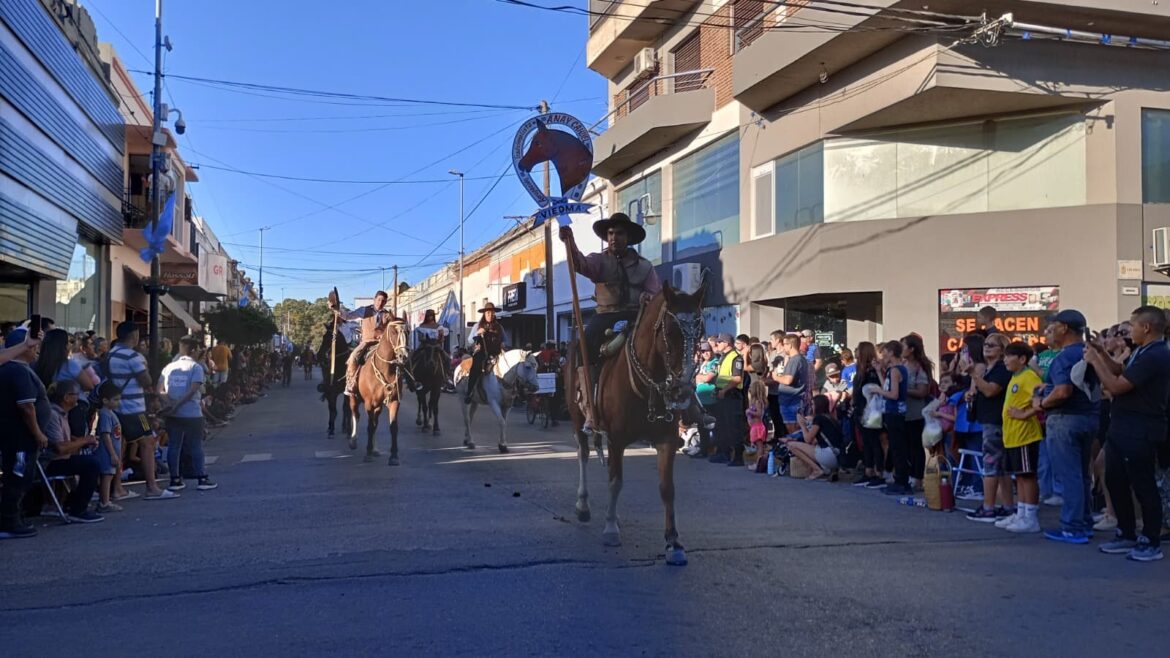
[907, 500]
[771, 463]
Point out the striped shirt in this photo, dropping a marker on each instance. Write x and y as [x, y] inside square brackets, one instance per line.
[124, 366]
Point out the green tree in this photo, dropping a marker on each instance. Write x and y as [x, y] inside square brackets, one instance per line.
[305, 320]
[241, 326]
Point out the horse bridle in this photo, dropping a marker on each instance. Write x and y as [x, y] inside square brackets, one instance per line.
[691, 331]
[398, 347]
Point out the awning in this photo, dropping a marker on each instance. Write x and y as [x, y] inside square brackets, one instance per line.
[180, 313]
[195, 294]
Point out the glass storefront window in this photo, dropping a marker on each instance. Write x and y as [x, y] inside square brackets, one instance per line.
[800, 188]
[1155, 156]
[649, 191]
[706, 198]
[79, 294]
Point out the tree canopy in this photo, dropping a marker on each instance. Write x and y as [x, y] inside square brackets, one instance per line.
[240, 326]
[304, 320]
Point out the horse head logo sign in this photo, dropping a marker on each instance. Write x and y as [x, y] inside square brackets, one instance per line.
[570, 152]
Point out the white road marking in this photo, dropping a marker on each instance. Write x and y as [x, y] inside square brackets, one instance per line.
[327, 454]
[210, 459]
[258, 457]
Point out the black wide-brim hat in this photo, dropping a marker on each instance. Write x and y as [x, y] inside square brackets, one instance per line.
[635, 232]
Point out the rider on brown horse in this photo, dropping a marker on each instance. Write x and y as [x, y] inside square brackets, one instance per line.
[488, 336]
[625, 281]
[374, 319]
[430, 335]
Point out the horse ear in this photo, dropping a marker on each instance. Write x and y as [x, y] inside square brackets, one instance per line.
[704, 284]
[669, 293]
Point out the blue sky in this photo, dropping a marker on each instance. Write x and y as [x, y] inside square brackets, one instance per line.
[476, 51]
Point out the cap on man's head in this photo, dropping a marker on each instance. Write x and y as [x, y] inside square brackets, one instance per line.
[724, 338]
[832, 369]
[15, 337]
[807, 333]
[1071, 317]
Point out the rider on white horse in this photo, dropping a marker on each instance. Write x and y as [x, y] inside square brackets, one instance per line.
[488, 336]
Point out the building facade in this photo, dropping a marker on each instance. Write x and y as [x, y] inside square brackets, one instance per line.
[62, 151]
[850, 172]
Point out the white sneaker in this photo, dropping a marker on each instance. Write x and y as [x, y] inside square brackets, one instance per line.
[1054, 501]
[1024, 524]
[1007, 521]
[1106, 523]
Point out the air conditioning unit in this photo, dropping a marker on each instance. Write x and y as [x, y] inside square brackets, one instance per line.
[645, 60]
[535, 279]
[1162, 247]
[687, 277]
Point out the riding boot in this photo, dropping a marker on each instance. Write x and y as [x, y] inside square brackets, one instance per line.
[594, 374]
[350, 378]
[472, 382]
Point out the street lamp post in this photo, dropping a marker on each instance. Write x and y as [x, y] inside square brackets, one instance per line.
[462, 320]
[156, 156]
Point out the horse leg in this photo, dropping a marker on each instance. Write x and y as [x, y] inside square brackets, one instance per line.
[420, 417]
[434, 407]
[583, 514]
[612, 535]
[332, 404]
[374, 414]
[501, 413]
[468, 415]
[392, 413]
[674, 550]
[353, 420]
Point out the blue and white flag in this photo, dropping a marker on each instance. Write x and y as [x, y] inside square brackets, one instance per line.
[156, 238]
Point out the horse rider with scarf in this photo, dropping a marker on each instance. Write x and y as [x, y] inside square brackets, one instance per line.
[429, 338]
[488, 338]
[373, 320]
[625, 281]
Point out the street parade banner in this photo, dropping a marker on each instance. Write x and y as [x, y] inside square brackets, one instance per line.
[571, 154]
[1021, 313]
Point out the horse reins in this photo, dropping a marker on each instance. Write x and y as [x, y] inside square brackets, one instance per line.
[641, 372]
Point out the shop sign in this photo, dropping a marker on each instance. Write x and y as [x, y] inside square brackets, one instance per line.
[515, 297]
[1129, 269]
[824, 338]
[179, 274]
[213, 270]
[1021, 313]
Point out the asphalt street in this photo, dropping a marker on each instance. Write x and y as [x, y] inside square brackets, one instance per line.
[304, 550]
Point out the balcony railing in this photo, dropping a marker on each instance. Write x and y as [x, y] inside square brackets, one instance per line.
[134, 214]
[599, 9]
[770, 14]
[659, 85]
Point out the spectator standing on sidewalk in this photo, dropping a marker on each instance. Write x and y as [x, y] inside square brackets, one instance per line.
[24, 411]
[792, 382]
[127, 370]
[1022, 436]
[871, 438]
[729, 432]
[1137, 428]
[182, 388]
[1071, 423]
[221, 357]
[894, 377]
[989, 383]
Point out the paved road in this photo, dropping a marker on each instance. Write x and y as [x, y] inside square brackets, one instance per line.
[304, 550]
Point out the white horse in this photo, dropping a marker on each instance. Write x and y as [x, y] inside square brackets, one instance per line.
[514, 371]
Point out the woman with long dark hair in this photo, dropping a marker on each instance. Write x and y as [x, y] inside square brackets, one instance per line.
[921, 375]
[871, 439]
[54, 364]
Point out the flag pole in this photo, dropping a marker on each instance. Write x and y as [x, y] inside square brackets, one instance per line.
[334, 299]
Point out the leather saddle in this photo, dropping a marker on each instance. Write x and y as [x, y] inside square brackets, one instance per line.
[615, 339]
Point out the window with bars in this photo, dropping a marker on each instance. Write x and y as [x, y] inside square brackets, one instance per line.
[688, 57]
[747, 22]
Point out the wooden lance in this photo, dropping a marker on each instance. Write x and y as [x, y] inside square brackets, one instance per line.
[571, 246]
[334, 305]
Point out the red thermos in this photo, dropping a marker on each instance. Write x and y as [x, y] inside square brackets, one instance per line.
[946, 492]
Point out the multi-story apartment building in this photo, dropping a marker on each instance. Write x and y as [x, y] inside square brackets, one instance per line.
[61, 166]
[873, 168]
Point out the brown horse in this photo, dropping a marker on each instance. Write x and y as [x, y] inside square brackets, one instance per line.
[332, 386]
[571, 158]
[430, 376]
[378, 387]
[642, 391]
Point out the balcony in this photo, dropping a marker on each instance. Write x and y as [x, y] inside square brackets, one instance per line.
[772, 64]
[651, 117]
[620, 28]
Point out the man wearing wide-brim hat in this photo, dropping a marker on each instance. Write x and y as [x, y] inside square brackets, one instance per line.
[624, 279]
[488, 338]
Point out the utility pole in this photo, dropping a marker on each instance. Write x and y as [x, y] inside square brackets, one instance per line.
[550, 327]
[262, 263]
[156, 155]
[462, 320]
[396, 291]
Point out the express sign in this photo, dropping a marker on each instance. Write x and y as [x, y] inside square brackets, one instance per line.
[1020, 313]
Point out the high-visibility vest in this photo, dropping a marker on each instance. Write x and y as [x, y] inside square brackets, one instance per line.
[725, 373]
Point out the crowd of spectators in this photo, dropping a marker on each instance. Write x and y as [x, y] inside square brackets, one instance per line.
[87, 412]
[1078, 421]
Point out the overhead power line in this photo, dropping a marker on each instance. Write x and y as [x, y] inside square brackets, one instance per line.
[308, 179]
[317, 93]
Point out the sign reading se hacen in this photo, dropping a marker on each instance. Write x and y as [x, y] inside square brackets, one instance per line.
[1020, 313]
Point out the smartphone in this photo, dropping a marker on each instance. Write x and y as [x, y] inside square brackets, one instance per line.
[34, 326]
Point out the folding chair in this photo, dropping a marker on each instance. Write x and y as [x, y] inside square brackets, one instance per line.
[966, 458]
[48, 480]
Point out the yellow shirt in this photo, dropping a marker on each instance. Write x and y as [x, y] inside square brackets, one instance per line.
[221, 356]
[1018, 433]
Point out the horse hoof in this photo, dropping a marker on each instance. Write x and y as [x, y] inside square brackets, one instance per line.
[374, 453]
[503, 448]
[611, 539]
[418, 422]
[367, 459]
[584, 516]
[352, 444]
[470, 445]
[435, 432]
[676, 556]
[393, 461]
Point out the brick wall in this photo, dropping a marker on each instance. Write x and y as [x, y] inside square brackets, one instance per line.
[715, 46]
